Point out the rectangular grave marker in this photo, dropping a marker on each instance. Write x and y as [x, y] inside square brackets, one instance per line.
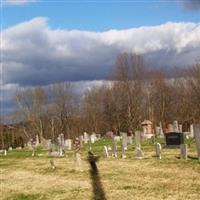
[174, 139]
[197, 138]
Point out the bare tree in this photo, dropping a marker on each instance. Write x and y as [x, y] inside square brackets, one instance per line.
[64, 103]
[31, 104]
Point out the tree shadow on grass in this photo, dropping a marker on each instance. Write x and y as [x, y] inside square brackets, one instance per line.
[193, 158]
[98, 191]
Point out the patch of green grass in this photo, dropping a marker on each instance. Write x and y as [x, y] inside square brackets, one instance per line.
[27, 197]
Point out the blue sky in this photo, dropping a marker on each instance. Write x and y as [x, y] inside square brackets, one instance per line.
[100, 15]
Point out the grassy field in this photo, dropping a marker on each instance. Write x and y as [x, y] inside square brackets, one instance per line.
[24, 177]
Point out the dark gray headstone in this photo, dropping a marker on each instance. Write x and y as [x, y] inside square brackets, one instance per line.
[174, 139]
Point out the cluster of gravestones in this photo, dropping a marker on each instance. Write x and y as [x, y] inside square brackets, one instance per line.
[86, 138]
[174, 139]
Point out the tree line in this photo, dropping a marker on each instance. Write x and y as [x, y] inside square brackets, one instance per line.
[135, 93]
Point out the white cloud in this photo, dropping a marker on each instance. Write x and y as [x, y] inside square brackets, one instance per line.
[35, 54]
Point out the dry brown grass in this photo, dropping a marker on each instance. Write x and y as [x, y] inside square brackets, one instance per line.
[128, 179]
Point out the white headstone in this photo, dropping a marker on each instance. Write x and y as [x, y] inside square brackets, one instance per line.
[123, 151]
[117, 138]
[158, 148]
[86, 137]
[68, 144]
[180, 128]
[191, 130]
[175, 126]
[92, 139]
[124, 140]
[37, 143]
[138, 138]
[105, 151]
[61, 152]
[33, 152]
[138, 152]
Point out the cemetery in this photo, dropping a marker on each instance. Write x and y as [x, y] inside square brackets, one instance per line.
[129, 165]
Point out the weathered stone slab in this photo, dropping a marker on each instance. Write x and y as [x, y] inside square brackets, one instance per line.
[123, 151]
[138, 152]
[124, 140]
[197, 138]
[184, 151]
[114, 149]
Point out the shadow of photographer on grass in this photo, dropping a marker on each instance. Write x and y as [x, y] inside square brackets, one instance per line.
[98, 191]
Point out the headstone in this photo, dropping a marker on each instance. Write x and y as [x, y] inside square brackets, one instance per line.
[86, 137]
[5, 152]
[109, 134]
[77, 149]
[61, 154]
[138, 152]
[191, 130]
[114, 149]
[147, 127]
[175, 126]
[105, 151]
[138, 138]
[33, 152]
[92, 138]
[174, 139]
[37, 143]
[68, 144]
[180, 128]
[10, 148]
[170, 128]
[124, 140]
[117, 138]
[98, 136]
[157, 131]
[129, 139]
[52, 164]
[123, 151]
[197, 138]
[81, 140]
[184, 151]
[62, 140]
[158, 149]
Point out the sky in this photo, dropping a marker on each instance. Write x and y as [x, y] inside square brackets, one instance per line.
[45, 42]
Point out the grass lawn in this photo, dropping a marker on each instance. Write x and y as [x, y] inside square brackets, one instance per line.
[24, 177]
